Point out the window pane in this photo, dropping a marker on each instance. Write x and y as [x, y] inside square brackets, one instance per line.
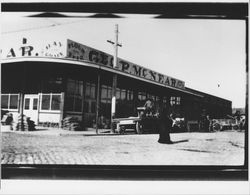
[141, 95]
[45, 102]
[123, 94]
[69, 103]
[81, 88]
[92, 95]
[27, 104]
[104, 92]
[109, 93]
[13, 101]
[78, 89]
[93, 107]
[35, 101]
[71, 87]
[86, 107]
[118, 93]
[78, 104]
[4, 101]
[87, 90]
[55, 104]
[132, 95]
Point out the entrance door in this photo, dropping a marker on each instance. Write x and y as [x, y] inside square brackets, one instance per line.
[31, 107]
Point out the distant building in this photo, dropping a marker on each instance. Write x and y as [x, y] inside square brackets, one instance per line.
[58, 79]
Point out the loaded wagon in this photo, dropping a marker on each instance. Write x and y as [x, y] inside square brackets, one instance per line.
[228, 124]
[140, 124]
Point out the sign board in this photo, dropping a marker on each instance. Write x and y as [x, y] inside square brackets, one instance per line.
[80, 52]
[84, 53]
[54, 49]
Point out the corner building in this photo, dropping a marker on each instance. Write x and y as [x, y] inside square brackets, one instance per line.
[51, 81]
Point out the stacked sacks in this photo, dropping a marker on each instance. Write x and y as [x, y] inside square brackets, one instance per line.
[71, 124]
[28, 125]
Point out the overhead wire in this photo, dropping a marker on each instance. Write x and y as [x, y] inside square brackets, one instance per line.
[41, 27]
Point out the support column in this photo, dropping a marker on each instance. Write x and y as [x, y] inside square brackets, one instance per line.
[113, 102]
[83, 100]
[62, 109]
[21, 107]
[23, 90]
[98, 100]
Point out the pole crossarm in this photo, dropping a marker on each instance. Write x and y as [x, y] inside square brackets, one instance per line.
[118, 44]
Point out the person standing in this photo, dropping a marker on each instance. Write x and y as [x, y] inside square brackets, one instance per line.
[165, 123]
[149, 107]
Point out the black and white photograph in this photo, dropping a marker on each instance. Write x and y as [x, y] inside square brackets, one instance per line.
[130, 88]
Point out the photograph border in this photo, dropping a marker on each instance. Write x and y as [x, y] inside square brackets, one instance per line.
[229, 11]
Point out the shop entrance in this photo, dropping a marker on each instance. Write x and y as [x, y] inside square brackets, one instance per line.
[31, 106]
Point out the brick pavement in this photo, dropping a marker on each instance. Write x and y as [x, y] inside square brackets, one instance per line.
[60, 147]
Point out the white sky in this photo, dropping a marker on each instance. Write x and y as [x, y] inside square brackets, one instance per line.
[203, 53]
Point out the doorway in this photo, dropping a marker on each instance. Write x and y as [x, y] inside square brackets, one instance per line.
[31, 106]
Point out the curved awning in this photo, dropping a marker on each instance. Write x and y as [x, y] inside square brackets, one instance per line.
[91, 65]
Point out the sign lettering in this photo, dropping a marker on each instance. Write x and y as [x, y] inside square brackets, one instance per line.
[81, 52]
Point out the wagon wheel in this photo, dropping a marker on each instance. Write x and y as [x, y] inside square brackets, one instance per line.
[138, 128]
[217, 127]
[235, 127]
[122, 129]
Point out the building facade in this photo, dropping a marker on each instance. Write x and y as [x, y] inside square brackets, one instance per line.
[66, 78]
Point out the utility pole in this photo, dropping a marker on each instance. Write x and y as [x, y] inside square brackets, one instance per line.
[114, 83]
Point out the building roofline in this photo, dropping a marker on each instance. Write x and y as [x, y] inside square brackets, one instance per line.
[92, 65]
[205, 94]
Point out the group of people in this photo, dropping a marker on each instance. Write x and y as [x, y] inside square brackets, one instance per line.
[165, 121]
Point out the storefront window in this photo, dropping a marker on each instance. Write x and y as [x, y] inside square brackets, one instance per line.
[45, 102]
[142, 96]
[13, 101]
[104, 91]
[90, 97]
[93, 107]
[78, 104]
[9, 101]
[123, 94]
[4, 101]
[90, 90]
[75, 95]
[105, 106]
[69, 103]
[151, 96]
[109, 93]
[86, 106]
[178, 100]
[51, 102]
[56, 100]
[118, 93]
[175, 101]
[130, 95]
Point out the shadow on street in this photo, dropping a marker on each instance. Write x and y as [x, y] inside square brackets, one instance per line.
[180, 141]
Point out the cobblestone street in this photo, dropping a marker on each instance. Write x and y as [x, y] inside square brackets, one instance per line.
[53, 147]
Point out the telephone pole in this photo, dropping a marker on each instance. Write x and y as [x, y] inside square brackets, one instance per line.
[114, 83]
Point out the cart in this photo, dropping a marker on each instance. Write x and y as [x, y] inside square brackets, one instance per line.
[224, 124]
[140, 124]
